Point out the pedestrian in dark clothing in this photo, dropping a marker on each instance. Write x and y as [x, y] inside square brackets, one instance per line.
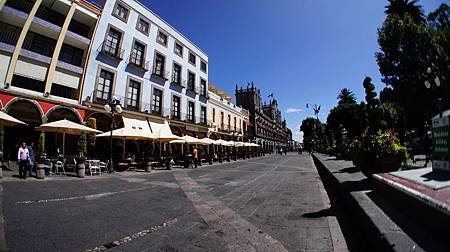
[31, 153]
[23, 157]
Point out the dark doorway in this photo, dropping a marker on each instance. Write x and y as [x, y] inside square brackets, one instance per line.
[27, 112]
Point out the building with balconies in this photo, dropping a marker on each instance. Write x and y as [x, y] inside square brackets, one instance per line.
[266, 125]
[155, 71]
[44, 46]
[225, 117]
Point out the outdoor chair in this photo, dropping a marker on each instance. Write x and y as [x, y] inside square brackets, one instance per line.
[103, 166]
[72, 165]
[59, 168]
[94, 167]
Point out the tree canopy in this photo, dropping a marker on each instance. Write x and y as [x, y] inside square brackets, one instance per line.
[402, 8]
[346, 97]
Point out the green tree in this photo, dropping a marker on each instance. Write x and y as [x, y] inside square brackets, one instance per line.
[347, 117]
[402, 8]
[406, 51]
[346, 97]
[312, 130]
[82, 143]
[439, 21]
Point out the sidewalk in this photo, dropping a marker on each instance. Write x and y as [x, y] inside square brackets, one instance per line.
[380, 217]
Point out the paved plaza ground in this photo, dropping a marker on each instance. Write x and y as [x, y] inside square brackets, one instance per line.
[272, 203]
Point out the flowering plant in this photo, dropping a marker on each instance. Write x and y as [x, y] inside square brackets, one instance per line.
[380, 152]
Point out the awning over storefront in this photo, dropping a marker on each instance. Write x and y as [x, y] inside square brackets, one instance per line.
[134, 129]
[162, 131]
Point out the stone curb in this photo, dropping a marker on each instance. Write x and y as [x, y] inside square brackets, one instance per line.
[378, 230]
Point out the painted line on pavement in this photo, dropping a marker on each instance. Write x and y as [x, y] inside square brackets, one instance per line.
[87, 197]
[238, 233]
[3, 246]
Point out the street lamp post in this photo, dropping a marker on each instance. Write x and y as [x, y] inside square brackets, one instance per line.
[316, 109]
[112, 106]
[432, 81]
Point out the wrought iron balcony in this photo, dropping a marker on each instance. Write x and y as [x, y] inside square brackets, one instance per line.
[112, 50]
[160, 73]
[138, 62]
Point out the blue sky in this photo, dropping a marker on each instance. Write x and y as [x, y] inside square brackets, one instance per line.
[304, 51]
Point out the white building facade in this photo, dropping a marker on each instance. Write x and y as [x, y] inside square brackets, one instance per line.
[225, 118]
[155, 71]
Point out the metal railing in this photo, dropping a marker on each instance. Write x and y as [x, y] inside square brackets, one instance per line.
[178, 81]
[24, 5]
[9, 37]
[138, 62]
[112, 49]
[160, 72]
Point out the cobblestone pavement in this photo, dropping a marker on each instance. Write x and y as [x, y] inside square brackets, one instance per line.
[273, 203]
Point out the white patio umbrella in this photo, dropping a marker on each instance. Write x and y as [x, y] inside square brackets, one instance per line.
[133, 133]
[127, 134]
[187, 139]
[239, 144]
[66, 127]
[208, 142]
[221, 142]
[7, 120]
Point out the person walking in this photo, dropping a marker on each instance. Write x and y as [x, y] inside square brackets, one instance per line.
[195, 155]
[23, 157]
[31, 153]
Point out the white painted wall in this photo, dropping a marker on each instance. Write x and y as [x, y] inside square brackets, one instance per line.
[129, 35]
[222, 105]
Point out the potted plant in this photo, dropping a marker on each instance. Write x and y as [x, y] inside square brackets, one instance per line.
[41, 156]
[82, 147]
[377, 153]
[149, 149]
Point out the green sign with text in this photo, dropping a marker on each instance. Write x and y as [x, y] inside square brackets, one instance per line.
[441, 143]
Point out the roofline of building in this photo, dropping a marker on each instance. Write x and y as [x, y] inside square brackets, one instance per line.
[176, 30]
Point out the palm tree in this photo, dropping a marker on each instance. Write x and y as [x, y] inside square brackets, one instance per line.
[346, 97]
[403, 7]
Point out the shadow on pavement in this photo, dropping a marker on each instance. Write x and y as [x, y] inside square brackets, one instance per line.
[348, 170]
[359, 185]
[320, 214]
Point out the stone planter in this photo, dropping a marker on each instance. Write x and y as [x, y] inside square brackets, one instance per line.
[81, 169]
[40, 171]
[148, 167]
[379, 165]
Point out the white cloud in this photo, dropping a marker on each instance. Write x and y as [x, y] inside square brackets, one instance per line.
[293, 110]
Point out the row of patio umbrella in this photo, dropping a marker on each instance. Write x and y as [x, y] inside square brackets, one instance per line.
[208, 141]
[67, 127]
